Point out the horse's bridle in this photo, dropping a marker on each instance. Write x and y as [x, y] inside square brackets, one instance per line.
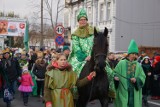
[99, 54]
[95, 55]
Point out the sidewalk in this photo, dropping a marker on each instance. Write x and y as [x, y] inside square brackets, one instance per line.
[18, 102]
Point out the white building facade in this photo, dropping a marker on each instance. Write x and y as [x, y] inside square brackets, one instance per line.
[125, 19]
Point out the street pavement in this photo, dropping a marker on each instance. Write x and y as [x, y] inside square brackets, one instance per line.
[34, 102]
[18, 102]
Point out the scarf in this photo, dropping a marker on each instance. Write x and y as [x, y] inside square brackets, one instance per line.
[55, 65]
[84, 32]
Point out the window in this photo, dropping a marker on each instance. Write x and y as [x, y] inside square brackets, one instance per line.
[66, 19]
[89, 14]
[101, 16]
[75, 17]
[108, 10]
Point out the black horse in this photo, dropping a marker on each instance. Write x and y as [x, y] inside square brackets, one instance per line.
[98, 87]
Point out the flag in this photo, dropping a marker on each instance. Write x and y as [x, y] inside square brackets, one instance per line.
[26, 37]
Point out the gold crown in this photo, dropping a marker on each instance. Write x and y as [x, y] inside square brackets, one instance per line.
[7, 50]
[23, 53]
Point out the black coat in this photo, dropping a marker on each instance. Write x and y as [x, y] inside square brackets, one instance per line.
[39, 70]
[11, 68]
[147, 86]
[156, 83]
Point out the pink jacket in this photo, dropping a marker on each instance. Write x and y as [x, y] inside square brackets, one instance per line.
[26, 80]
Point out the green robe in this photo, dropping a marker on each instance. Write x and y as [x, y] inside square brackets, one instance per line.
[82, 43]
[59, 85]
[23, 62]
[127, 93]
[81, 48]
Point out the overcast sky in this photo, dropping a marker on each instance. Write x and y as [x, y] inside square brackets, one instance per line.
[23, 7]
[18, 6]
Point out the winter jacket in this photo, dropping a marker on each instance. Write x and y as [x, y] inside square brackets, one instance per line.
[26, 80]
[11, 68]
[40, 69]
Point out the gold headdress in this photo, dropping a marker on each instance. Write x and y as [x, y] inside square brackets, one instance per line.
[7, 50]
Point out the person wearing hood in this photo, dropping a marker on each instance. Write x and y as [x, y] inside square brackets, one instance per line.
[60, 81]
[129, 79]
[26, 84]
[156, 79]
[147, 68]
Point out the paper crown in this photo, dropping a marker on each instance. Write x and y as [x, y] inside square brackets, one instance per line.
[7, 50]
[23, 53]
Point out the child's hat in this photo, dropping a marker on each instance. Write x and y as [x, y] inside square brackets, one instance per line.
[25, 68]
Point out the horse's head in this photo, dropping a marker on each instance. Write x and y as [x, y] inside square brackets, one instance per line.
[100, 49]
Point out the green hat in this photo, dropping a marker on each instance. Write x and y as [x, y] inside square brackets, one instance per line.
[65, 48]
[132, 48]
[82, 13]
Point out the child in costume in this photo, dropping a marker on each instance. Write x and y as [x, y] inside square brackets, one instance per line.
[26, 85]
[59, 82]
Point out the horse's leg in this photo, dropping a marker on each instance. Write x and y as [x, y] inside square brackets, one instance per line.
[104, 102]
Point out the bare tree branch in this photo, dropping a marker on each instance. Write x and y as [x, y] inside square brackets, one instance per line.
[57, 11]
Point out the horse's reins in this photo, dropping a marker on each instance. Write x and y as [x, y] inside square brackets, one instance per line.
[102, 54]
[124, 78]
[90, 94]
[121, 75]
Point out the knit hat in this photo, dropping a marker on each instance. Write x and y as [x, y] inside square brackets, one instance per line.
[132, 48]
[157, 58]
[82, 13]
[25, 68]
[65, 48]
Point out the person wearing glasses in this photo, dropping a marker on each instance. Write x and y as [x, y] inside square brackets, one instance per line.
[82, 42]
[81, 48]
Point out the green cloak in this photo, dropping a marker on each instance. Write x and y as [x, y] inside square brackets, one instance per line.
[82, 43]
[59, 85]
[127, 93]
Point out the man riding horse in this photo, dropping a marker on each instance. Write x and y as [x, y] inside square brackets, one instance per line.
[82, 43]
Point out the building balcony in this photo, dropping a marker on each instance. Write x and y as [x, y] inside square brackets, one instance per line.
[72, 2]
[104, 23]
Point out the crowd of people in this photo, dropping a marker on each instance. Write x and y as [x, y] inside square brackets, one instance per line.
[52, 75]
